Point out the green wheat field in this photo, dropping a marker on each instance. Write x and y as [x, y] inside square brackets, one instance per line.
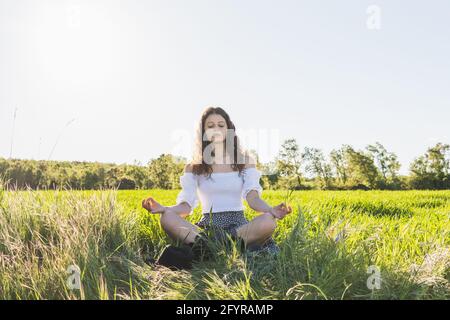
[333, 246]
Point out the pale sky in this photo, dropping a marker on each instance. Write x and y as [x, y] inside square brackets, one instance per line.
[118, 81]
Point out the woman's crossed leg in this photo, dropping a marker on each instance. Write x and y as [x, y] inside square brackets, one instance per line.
[256, 231]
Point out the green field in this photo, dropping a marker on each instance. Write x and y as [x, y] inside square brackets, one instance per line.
[327, 246]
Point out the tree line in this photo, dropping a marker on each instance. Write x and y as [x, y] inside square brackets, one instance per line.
[344, 168]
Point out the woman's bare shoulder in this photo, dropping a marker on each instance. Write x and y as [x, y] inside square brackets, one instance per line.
[250, 165]
[188, 168]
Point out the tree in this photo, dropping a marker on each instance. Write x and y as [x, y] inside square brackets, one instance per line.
[270, 176]
[432, 170]
[289, 161]
[338, 161]
[126, 184]
[362, 168]
[164, 172]
[316, 164]
[387, 164]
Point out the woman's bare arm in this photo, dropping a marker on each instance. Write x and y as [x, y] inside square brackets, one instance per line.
[182, 209]
[256, 203]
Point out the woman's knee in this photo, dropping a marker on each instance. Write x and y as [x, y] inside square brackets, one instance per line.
[168, 220]
[268, 222]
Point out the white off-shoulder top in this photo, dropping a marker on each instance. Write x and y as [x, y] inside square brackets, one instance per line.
[222, 191]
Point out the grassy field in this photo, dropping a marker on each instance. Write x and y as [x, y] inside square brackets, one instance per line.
[330, 247]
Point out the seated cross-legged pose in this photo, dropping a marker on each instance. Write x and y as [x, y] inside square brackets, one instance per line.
[220, 181]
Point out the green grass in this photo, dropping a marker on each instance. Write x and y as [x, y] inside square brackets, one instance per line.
[327, 245]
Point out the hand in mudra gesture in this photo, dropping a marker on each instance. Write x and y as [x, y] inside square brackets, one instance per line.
[281, 210]
[152, 205]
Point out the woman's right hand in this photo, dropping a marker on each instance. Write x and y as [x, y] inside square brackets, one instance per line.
[153, 206]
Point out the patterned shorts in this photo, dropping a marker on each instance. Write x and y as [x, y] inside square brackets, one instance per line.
[230, 221]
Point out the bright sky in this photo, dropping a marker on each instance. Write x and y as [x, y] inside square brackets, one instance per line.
[118, 81]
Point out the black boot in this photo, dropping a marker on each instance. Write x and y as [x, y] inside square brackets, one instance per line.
[176, 258]
[202, 248]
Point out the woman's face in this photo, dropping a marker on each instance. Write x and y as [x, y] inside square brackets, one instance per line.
[215, 128]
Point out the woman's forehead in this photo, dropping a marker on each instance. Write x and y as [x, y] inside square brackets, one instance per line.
[215, 118]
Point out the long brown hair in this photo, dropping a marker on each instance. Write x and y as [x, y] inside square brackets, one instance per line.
[199, 166]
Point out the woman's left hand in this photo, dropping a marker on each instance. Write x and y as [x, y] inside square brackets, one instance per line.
[281, 210]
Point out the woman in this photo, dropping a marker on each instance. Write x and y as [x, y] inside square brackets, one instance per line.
[220, 178]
